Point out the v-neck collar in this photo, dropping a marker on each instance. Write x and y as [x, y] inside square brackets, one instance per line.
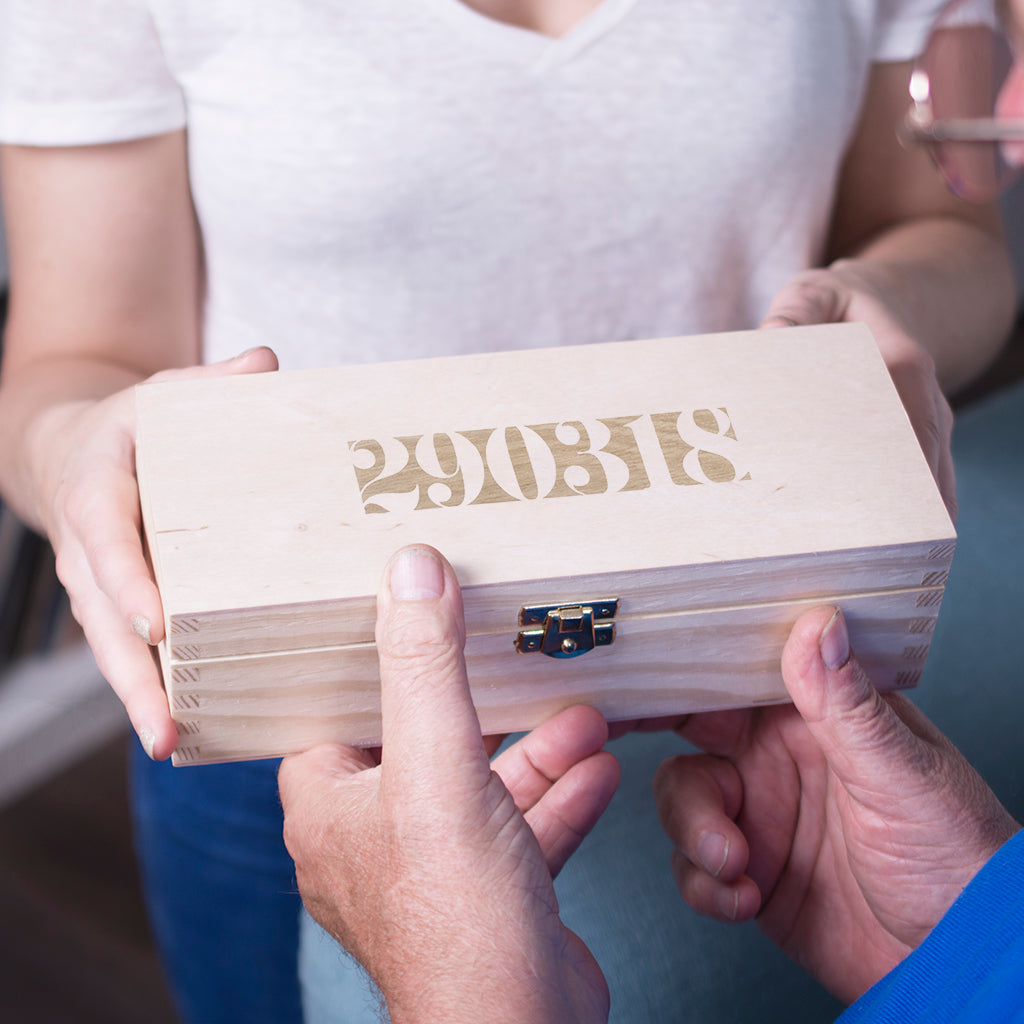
[522, 44]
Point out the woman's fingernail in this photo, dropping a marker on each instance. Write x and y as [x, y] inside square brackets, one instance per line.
[416, 575]
[728, 903]
[140, 627]
[713, 851]
[148, 740]
[834, 642]
[778, 320]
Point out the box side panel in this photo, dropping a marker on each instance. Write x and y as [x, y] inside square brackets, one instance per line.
[657, 591]
[265, 706]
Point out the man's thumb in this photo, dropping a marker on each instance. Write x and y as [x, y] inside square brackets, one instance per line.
[863, 738]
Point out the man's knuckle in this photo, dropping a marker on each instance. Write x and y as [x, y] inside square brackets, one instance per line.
[432, 651]
[308, 833]
[422, 642]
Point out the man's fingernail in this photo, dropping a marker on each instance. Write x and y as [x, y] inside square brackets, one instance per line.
[140, 627]
[834, 642]
[728, 903]
[416, 575]
[713, 851]
[148, 740]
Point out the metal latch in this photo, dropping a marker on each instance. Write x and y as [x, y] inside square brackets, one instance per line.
[566, 631]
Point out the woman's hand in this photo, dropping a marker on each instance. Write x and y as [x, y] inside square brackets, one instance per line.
[862, 291]
[89, 504]
[930, 275]
[847, 824]
[106, 289]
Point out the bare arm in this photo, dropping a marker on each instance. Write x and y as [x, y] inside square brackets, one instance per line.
[104, 289]
[105, 292]
[930, 275]
[951, 276]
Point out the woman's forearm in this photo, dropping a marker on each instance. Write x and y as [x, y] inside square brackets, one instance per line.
[37, 401]
[951, 283]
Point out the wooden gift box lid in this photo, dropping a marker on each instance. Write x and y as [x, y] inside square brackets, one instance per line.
[714, 485]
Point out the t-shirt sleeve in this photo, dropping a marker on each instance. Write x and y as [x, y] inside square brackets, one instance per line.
[903, 25]
[79, 72]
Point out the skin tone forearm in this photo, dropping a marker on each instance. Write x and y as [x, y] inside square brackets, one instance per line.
[950, 282]
[938, 296]
[35, 404]
[105, 292]
[939, 264]
[929, 274]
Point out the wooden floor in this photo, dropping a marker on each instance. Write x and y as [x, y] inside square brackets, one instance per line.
[74, 943]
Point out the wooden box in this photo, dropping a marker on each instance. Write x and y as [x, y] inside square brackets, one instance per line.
[711, 487]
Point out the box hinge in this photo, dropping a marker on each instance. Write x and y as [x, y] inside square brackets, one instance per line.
[566, 630]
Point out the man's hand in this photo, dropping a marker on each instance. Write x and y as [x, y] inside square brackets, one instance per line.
[433, 871]
[846, 823]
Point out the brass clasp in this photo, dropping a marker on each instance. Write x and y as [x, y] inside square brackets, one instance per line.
[566, 631]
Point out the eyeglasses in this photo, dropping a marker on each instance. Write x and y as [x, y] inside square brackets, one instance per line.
[958, 90]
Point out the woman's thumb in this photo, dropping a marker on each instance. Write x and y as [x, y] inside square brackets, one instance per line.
[254, 360]
[809, 298]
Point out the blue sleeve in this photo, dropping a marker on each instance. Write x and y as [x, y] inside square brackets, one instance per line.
[970, 970]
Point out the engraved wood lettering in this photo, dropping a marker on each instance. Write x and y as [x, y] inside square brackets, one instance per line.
[687, 463]
[521, 465]
[564, 459]
[490, 490]
[622, 443]
[577, 469]
[432, 490]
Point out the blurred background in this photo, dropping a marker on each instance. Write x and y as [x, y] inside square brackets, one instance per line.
[75, 946]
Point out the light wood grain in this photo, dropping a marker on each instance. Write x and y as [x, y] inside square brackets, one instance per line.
[271, 504]
[654, 591]
[267, 705]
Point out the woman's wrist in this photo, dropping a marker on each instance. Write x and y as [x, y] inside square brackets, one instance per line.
[39, 402]
[949, 282]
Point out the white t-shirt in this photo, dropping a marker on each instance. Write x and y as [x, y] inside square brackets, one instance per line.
[381, 179]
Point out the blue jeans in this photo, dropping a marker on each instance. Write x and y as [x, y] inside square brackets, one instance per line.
[220, 889]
